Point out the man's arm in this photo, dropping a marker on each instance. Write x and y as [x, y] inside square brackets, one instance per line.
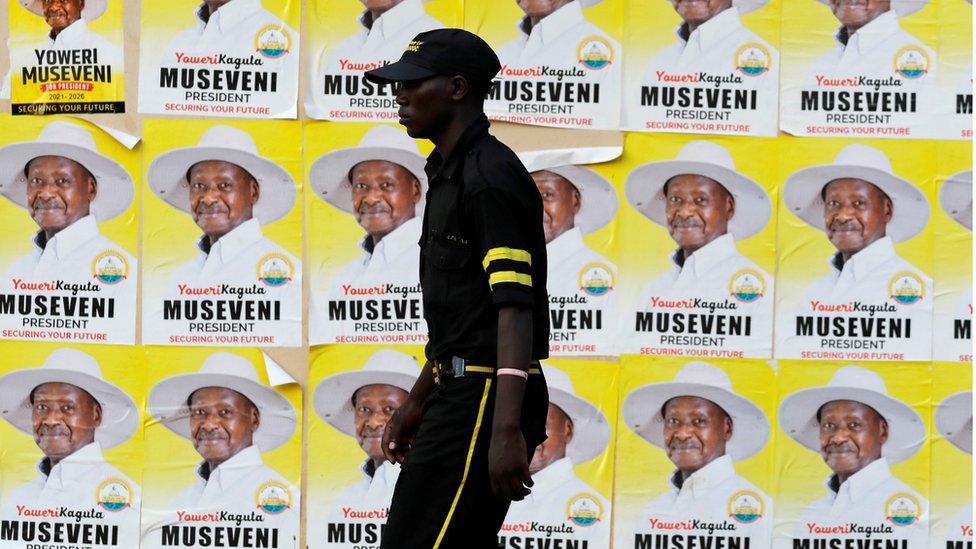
[405, 421]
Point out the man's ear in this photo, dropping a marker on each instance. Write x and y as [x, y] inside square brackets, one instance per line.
[459, 88]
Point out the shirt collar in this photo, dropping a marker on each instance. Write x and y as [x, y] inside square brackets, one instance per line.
[712, 31]
[230, 14]
[68, 239]
[234, 470]
[70, 34]
[862, 482]
[552, 477]
[703, 480]
[872, 35]
[709, 256]
[401, 239]
[436, 165]
[74, 467]
[564, 245]
[552, 26]
[863, 263]
[396, 19]
[235, 242]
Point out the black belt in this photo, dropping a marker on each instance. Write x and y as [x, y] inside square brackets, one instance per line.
[458, 367]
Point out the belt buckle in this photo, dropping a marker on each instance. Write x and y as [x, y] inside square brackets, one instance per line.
[457, 366]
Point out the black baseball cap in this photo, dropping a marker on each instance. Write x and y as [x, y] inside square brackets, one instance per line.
[442, 52]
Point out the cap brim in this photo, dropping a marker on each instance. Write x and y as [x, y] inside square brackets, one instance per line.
[399, 71]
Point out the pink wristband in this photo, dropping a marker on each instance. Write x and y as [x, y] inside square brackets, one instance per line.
[512, 372]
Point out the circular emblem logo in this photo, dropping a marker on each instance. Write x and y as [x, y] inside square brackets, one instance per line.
[912, 62]
[746, 507]
[596, 279]
[272, 41]
[902, 509]
[906, 288]
[110, 267]
[584, 510]
[114, 495]
[275, 270]
[747, 285]
[594, 52]
[273, 497]
[752, 59]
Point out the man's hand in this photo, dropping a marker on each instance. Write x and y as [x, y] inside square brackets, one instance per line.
[507, 466]
[400, 431]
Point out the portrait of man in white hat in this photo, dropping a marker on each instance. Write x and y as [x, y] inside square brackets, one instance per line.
[954, 423]
[577, 432]
[230, 191]
[706, 206]
[381, 182]
[864, 209]
[231, 417]
[358, 403]
[859, 430]
[704, 426]
[69, 187]
[384, 29]
[953, 332]
[73, 414]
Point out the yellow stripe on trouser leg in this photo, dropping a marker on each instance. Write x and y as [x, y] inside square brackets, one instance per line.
[513, 254]
[510, 276]
[467, 463]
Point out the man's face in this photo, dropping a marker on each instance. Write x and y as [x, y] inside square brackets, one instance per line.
[699, 12]
[425, 106]
[59, 192]
[64, 419]
[61, 13]
[373, 405]
[856, 214]
[222, 423]
[854, 14]
[384, 196]
[559, 429]
[851, 436]
[560, 203]
[698, 211]
[695, 432]
[222, 196]
[539, 9]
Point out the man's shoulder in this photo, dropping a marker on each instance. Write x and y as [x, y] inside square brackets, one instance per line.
[266, 247]
[493, 165]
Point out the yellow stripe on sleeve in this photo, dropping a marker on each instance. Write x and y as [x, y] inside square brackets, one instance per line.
[495, 254]
[510, 276]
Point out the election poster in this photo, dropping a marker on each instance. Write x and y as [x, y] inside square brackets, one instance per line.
[955, 40]
[697, 245]
[700, 69]
[223, 450]
[222, 237]
[699, 467]
[952, 450]
[69, 263]
[852, 454]
[71, 445]
[847, 73]
[855, 250]
[561, 62]
[353, 391]
[365, 205]
[345, 38]
[238, 59]
[952, 221]
[65, 57]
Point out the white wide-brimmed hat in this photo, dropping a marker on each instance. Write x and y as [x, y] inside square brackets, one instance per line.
[591, 430]
[644, 187]
[798, 412]
[120, 416]
[332, 398]
[598, 198]
[167, 172]
[167, 400]
[115, 187]
[956, 198]
[901, 8]
[329, 174]
[93, 8]
[750, 426]
[910, 209]
[954, 420]
[745, 6]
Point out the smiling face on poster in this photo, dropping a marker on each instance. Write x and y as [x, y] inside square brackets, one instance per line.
[712, 71]
[71, 213]
[561, 61]
[220, 58]
[872, 300]
[71, 430]
[230, 190]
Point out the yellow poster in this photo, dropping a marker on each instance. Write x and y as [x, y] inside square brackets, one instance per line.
[72, 445]
[698, 471]
[863, 428]
[955, 23]
[66, 57]
[71, 218]
[239, 283]
[855, 250]
[952, 450]
[223, 451]
[952, 222]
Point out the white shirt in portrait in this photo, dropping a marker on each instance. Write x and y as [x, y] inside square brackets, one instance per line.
[360, 509]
